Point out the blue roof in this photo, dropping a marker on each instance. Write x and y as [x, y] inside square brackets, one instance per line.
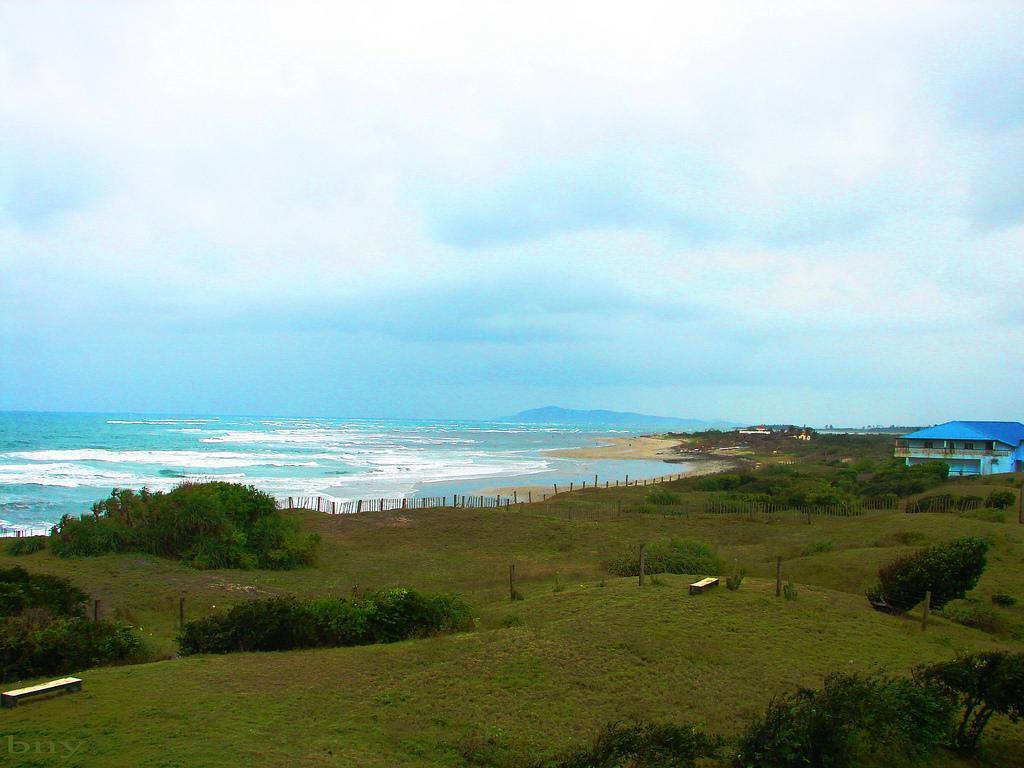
[1009, 432]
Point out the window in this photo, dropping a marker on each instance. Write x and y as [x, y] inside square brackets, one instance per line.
[968, 446]
[927, 443]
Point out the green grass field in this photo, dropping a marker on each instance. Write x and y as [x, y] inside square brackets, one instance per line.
[536, 675]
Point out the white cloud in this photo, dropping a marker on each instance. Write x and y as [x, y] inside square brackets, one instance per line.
[747, 182]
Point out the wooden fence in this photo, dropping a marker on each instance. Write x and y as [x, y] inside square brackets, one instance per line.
[17, 533]
[331, 507]
[944, 503]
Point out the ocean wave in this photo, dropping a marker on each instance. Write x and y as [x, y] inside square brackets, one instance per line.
[194, 459]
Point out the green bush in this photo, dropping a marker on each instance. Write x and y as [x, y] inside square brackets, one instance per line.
[985, 684]
[206, 525]
[283, 623]
[971, 613]
[29, 648]
[733, 582]
[1001, 499]
[661, 497]
[676, 556]
[851, 720]
[722, 482]
[948, 570]
[899, 479]
[642, 745]
[20, 591]
[26, 545]
[1004, 600]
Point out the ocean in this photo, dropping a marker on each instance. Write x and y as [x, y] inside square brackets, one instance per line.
[52, 464]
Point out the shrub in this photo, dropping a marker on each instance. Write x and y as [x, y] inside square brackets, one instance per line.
[722, 482]
[282, 623]
[29, 648]
[642, 745]
[899, 479]
[676, 556]
[26, 545]
[20, 590]
[661, 497]
[971, 613]
[790, 591]
[985, 684]
[206, 525]
[1004, 600]
[1001, 499]
[849, 721]
[733, 582]
[948, 570]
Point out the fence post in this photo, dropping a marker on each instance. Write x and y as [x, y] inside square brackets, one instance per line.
[595, 481]
[627, 481]
[359, 506]
[643, 562]
[556, 488]
[515, 497]
[778, 577]
[570, 486]
[95, 610]
[927, 608]
[290, 504]
[512, 582]
[181, 612]
[529, 497]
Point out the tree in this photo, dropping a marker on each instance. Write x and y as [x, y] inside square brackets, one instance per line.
[987, 684]
[949, 571]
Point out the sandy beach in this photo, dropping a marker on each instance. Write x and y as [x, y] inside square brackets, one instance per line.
[641, 448]
[651, 448]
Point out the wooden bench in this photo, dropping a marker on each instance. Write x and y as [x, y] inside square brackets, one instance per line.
[10, 698]
[699, 586]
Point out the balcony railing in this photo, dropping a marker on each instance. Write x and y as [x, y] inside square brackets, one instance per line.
[920, 452]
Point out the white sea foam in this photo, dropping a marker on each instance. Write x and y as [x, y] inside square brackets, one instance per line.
[194, 459]
[64, 475]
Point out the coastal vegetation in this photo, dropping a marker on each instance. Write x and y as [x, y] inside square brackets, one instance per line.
[285, 623]
[948, 571]
[579, 647]
[43, 629]
[205, 525]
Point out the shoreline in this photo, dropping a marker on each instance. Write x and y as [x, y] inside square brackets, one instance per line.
[642, 447]
[645, 447]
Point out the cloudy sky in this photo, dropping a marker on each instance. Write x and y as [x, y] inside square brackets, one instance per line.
[754, 211]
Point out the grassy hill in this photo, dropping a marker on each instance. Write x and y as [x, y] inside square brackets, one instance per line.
[536, 675]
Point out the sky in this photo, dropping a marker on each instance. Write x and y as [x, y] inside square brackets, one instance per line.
[785, 212]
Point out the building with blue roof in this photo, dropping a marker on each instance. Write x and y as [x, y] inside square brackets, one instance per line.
[969, 447]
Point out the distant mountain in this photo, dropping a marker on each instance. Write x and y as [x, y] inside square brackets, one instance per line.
[554, 415]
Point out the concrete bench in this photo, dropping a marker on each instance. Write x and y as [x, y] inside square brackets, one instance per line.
[10, 698]
[699, 586]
